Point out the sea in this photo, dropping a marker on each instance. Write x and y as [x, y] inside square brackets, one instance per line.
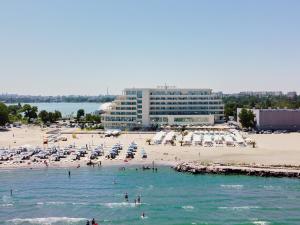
[66, 108]
[51, 197]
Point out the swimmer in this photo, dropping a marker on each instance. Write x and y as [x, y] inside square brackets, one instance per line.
[139, 199]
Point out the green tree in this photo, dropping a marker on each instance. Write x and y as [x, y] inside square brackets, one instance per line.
[92, 118]
[80, 113]
[230, 109]
[57, 115]
[49, 116]
[15, 112]
[30, 112]
[3, 114]
[14, 109]
[246, 118]
[44, 116]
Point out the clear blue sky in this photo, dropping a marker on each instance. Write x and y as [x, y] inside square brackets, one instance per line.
[83, 47]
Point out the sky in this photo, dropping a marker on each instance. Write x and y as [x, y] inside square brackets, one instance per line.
[82, 47]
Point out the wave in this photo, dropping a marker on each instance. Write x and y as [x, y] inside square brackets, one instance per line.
[46, 220]
[232, 186]
[270, 187]
[188, 207]
[121, 204]
[80, 203]
[261, 223]
[51, 203]
[7, 205]
[239, 207]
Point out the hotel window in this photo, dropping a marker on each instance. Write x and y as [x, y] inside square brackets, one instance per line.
[139, 94]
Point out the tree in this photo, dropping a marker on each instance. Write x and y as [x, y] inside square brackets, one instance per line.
[80, 113]
[14, 109]
[14, 112]
[230, 110]
[49, 116]
[57, 115]
[30, 112]
[92, 118]
[3, 114]
[247, 118]
[44, 116]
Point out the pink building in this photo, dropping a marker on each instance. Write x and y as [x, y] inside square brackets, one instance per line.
[276, 119]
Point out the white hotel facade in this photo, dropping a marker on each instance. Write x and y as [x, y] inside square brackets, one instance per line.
[144, 107]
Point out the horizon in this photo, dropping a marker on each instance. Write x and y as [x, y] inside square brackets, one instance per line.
[61, 48]
[111, 94]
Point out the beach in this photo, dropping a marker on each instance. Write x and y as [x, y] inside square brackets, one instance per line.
[271, 149]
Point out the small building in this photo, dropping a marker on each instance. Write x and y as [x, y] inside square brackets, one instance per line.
[276, 119]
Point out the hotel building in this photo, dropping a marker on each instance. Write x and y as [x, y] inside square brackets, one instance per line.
[144, 107]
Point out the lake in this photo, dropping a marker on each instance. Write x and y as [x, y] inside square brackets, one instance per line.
[67, 108]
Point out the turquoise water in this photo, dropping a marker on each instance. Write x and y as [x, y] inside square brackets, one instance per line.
[67, 108]
[48, 196]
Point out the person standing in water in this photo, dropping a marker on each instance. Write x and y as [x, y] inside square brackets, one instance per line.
[11, 192]
[126, 197]
[139, 199]
[69, 173]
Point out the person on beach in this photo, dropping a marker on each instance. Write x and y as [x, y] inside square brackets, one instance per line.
[87, 222]
[126, 197]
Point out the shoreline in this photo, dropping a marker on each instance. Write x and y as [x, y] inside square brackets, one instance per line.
[83, 164]
[246, 170]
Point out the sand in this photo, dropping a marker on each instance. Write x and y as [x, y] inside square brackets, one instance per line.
[272, 149]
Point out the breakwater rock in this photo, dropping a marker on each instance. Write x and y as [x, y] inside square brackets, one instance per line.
[197, 168]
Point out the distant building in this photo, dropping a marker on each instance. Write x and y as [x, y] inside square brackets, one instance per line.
[276, 119]
[144, 107]
[257, 94]
[291, 94]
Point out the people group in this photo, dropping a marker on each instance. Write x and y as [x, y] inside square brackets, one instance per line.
[93, 222]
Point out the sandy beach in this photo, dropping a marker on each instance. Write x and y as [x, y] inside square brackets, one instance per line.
[271, 149]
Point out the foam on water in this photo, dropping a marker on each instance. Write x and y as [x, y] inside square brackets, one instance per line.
[261, 223]
[46, 220]
[188, 207]
[7, 205]
[239, 207]
[232, 186]
[119, 204]
[51, 203]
